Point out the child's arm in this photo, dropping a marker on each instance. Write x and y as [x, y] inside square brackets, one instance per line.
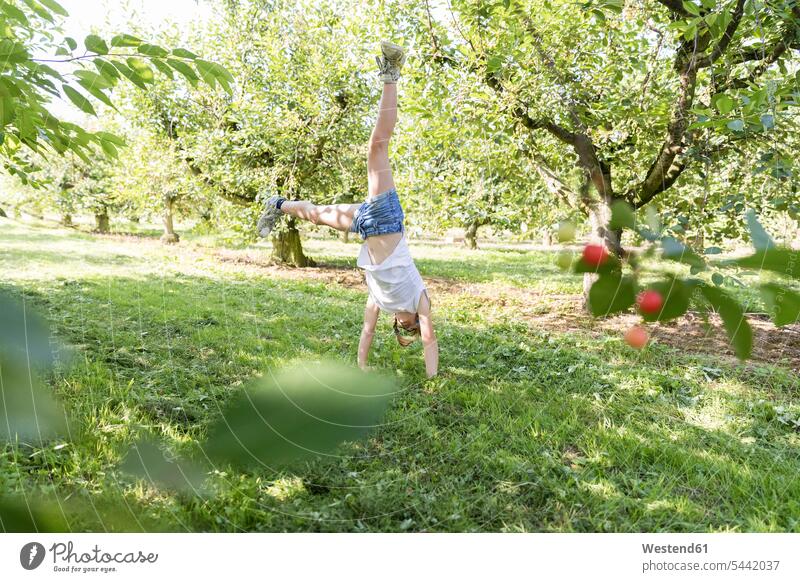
[429, 344]
[371, 313]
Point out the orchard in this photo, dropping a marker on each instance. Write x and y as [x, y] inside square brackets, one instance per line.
[578, 311]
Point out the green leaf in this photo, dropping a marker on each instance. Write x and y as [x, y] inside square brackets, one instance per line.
[152, 50]
[95, 80]
[675, 250]
[8, 110]
[28, 410]
[622, 216]
[206, 71]
[129, 74]
[717, 279]
[610, 294]
[760, 238]
[736, 325]
[141, 68]
[184, 54]
[106, 69]
[301, 413]
[126, 40]
[782, 303]
[40, 10]
[611, 265]
[691, 7]
[110, 137]
[96, 44]
[184, 70]
[163, 68]
[79, 100]
[24, 334]
[147, 461]
[96, 93]
[494, 64]
[724, 103]
[47, 70]
[13, 52]
[109, 149]
[778, 260]
[675, 294]
[222, 73]
[71, 43]
[14, 13]
[19, 515]
[55, 7]
[736, 125]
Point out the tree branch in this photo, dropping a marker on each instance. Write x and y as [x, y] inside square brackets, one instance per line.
[554, 184]
[675, 6]
[664, 170]
[233, 197]
[725, 41]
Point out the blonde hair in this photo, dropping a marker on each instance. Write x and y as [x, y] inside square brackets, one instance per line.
[405, 340]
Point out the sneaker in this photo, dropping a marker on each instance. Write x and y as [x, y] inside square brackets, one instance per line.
[270, 217]
[389, 66]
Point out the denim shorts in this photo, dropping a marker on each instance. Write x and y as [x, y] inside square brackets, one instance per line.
[381, 215]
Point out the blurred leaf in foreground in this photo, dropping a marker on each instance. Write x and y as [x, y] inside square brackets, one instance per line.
[23, 335]
[32, 514]
[302, 412]
[147, 460]
[28, 410]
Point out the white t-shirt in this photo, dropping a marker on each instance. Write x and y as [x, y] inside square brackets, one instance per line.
[395, 284]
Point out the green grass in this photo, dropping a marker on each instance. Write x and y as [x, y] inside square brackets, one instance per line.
[522, 431]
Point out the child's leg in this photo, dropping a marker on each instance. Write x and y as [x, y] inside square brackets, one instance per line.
[338, 216]
[379, 171]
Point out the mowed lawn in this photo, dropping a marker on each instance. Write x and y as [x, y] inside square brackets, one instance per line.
[525, 429]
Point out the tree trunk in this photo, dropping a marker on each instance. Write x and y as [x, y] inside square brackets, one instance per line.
[288, 248]
[344, 236]
[169, 236]
[102, 222]
[599, 218]
[66, 220]
[471, 235]
[699, 241]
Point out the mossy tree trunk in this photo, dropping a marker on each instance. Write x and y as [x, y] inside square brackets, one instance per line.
[169, 236]
[102, 223]
[287, 247]
[471, 235]
[66, 220]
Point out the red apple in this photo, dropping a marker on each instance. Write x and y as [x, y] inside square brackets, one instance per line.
[650, 301]
[595, 255]
[636, 337]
